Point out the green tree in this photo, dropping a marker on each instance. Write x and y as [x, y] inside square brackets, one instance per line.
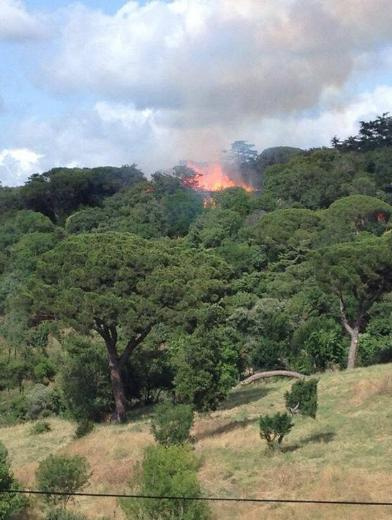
[84, 380]
[121, 287]
[286, 231]
[60, 191]
[302, 398]
[62, 473]
[207, 366]
[168, 471]
[10, 503]
[274, 428]
[349, 216]
[356, 274]
[372, 134]
[214, 226]
[172, 423]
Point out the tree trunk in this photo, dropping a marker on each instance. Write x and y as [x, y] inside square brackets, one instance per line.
[271, 373]
[117, 386]
[353, 350]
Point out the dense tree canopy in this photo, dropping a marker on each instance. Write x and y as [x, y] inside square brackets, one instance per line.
[125, 289]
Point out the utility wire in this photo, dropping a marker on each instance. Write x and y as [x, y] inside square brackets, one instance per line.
[204, 499]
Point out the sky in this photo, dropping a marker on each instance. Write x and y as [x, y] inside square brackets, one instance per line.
[112, 82]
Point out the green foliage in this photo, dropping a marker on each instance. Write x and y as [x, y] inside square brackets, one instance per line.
[286, 230]
[356, 274]
[265, 327]
[273, 428]
[168, 471]
[62, 473]
[375, 349]
[349, 216]
[127, 286]
[302, 397]
[60, 191]
[214, 226]
[44, 370]
[42, 401]
[315, 179]
[10, 504]
[318, 344]
[84, 427]
[84, 380]
[207, 367]
[372, 135]
[233, 199]
[171, 424]
[40, 427]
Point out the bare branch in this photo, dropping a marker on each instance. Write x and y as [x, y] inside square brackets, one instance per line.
[271, 373]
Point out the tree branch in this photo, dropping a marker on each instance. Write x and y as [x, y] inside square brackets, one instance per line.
[133, 343]
[271, 373]
[345, 322]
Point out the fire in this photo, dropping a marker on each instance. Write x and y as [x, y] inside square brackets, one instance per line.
[211, 177]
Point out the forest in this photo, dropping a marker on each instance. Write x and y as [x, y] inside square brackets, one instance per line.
[117, 290]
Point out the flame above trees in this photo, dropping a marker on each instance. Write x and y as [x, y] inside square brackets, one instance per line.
[212, 177]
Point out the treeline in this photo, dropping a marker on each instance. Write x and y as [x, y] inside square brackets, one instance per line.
[116, 290]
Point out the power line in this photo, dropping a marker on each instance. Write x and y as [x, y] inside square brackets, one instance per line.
[204, 499]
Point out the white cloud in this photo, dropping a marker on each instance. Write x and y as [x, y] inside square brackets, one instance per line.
[183, 78]
[16, 23]
[16, 164]
[115, 134]
[209, 60]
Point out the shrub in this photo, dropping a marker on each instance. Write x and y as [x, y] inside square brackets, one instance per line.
[319, 344]
[12, 409]
[62, 473]
[168, 471]
[303, 398]
[64, 514]
[44, 371]
[42, 401]
[83, 428]
[171, 423]
[84, 380]
[273, 428]
[206, 365]
[10, 503]
[40, 427]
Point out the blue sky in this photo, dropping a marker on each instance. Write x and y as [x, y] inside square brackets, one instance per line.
[153, 82]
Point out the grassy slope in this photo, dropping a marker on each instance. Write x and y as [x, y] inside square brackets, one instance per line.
[345, 453]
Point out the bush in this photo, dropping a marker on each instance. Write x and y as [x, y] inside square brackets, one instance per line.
[12, 409]
[85, 381]
[10, 504]
[168, 471]
[44, 371]
[303, 398]
[171, 423]
[62, 473]
[40, 427]
[206, 365]
[42, 401]
[273, 428]
[83, 428]
[63, 514]
[319, 345]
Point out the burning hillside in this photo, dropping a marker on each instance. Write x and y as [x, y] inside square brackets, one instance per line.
[212, 177]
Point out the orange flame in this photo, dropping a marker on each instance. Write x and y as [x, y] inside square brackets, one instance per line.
[211, 177]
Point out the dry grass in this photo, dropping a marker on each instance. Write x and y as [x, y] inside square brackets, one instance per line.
[345, 453]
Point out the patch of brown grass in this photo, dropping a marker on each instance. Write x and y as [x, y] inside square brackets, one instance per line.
[346, 453]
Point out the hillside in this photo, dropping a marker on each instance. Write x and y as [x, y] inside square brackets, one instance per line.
[346, 453]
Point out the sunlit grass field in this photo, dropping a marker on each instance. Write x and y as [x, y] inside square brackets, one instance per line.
[345, 453]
